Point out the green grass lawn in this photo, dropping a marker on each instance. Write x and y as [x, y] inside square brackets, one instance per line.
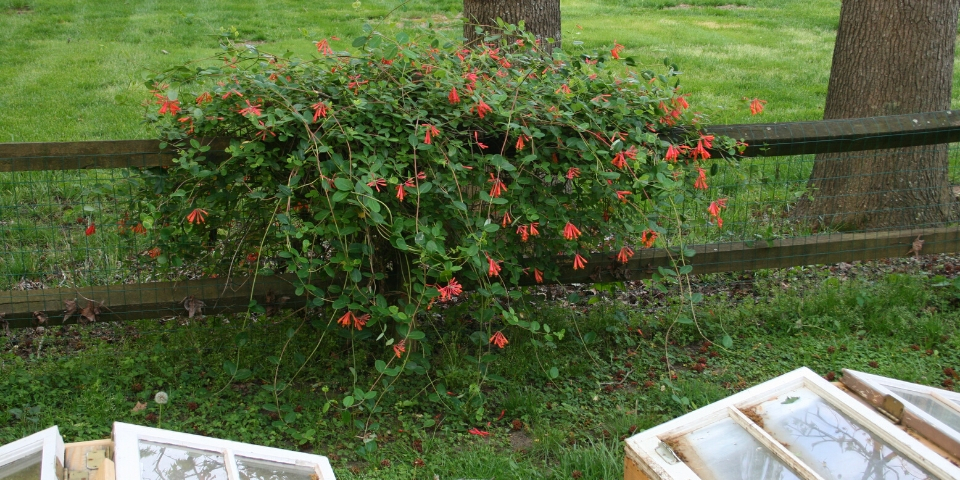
[73, 70]
[612, 377]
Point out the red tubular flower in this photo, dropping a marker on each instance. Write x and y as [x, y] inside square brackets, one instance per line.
[622, 195]
[251, 109]
[319, 110]
[538, 275]
[648, 237]
[672, 154]
[167, 105]
[198, 215]
[498, 339]
[619, 161]
[476, 136]
[756, 106]
[431, 131]
[351, 318]
[361, 321]
[204, 98]
[400, 347]
[498, 186]
[477, 431]
[700, 151]
[579, 262]
[570, 231]
[680, 102]
[707, 140]
[377, 183]
[701, 183]
[139, 228]
[615, 51]
[91, 229]
[401, 193]
[533, 228]
[154, 252]
[521, 141]
[453, 97]
[625, 254]
[506, 220]
[483, 109]
[572, 173]
[324, 48]
[494, 270]
[452, 288]
[714, 210]
[563, 88]
[524, 232]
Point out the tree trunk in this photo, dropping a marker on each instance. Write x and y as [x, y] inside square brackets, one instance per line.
[891, 57]
[541, 18]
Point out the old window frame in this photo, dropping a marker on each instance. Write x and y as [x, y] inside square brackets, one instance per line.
[874, 390]
[127, 437]
[48, 441]
[643, 447]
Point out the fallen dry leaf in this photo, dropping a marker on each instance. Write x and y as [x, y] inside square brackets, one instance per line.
[69, 308]
[6, 324]
[194, 306]
[40, 318]
[91, 311]
[139, 407]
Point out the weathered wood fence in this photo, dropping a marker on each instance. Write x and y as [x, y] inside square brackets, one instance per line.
[22, 308]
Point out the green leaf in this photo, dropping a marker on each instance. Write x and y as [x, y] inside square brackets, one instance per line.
[230, 367]
[348, 401]
[380, 365]
[359, 41]
[726, 341]
[790, 400]
[554, 373]
[343, 184]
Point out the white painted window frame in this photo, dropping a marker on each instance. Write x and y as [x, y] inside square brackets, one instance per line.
[879, 384]
[642, 447]
[49, 441]
[127, 437]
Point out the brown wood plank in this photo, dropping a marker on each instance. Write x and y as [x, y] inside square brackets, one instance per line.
[847, 135]
[163, 299]
[764, 139]
[20, 157]
[791, 252]
[146, 300]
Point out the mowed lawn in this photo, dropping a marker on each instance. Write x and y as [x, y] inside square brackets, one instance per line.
[73, 70]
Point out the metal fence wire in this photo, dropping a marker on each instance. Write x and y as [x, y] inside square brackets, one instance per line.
[68, 217]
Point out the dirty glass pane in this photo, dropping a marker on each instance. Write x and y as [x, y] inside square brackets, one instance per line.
[26, 468]
[168, 462]
[251, 469]
[830, 443]
[930, 405]
[725, 451]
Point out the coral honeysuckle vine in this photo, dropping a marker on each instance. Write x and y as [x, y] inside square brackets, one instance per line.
[395, 173]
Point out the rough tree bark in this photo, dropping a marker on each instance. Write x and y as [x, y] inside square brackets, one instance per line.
[541, 17]
[891, 57]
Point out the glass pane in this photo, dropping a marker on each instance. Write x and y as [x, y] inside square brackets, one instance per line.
[251, 469]
[830, 443]
[26, 468]
[930, 405]
[725, 451]
[167, 462]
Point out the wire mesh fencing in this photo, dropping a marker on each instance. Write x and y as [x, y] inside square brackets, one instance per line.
[73, 248]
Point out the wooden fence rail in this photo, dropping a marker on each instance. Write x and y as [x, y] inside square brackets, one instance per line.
[164, 299]
[764, 140]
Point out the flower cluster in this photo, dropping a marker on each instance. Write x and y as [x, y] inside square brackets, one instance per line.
[399, 166]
